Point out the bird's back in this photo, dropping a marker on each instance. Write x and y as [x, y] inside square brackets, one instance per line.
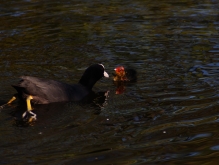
[46, 91]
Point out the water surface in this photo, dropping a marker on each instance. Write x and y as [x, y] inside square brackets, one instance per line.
[169, 116]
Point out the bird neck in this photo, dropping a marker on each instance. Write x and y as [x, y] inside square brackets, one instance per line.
[87, 82]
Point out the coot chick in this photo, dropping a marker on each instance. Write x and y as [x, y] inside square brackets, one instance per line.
[124, 74]
[44, 91]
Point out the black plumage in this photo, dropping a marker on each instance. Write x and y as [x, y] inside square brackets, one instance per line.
[46, 91]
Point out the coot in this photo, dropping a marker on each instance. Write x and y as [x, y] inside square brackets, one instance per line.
[44, 91]
[124, 74]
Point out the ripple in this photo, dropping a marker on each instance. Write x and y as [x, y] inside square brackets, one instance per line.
[169, 116]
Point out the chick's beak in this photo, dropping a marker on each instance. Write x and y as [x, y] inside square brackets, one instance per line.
[116, 70]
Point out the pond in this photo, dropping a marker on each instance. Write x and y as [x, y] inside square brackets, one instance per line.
[169, 116]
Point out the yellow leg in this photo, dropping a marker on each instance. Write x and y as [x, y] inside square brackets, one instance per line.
[29, 108]
[9, 102]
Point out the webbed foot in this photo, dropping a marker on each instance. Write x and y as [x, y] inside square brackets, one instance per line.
[29, 116]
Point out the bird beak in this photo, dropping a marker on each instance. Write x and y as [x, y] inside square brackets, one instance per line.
[106, 74]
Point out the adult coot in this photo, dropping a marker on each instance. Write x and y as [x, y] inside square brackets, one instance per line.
[43, 91]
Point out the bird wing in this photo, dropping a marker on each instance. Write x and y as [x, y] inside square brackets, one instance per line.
[51, 90]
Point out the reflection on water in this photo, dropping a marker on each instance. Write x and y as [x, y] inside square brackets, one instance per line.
[95, 101]
[170, 115]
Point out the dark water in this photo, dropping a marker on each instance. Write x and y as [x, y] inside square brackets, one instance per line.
[170, 116]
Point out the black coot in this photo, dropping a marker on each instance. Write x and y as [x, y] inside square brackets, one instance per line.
[44, 91]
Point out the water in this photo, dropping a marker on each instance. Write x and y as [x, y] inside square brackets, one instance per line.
[169, 116]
